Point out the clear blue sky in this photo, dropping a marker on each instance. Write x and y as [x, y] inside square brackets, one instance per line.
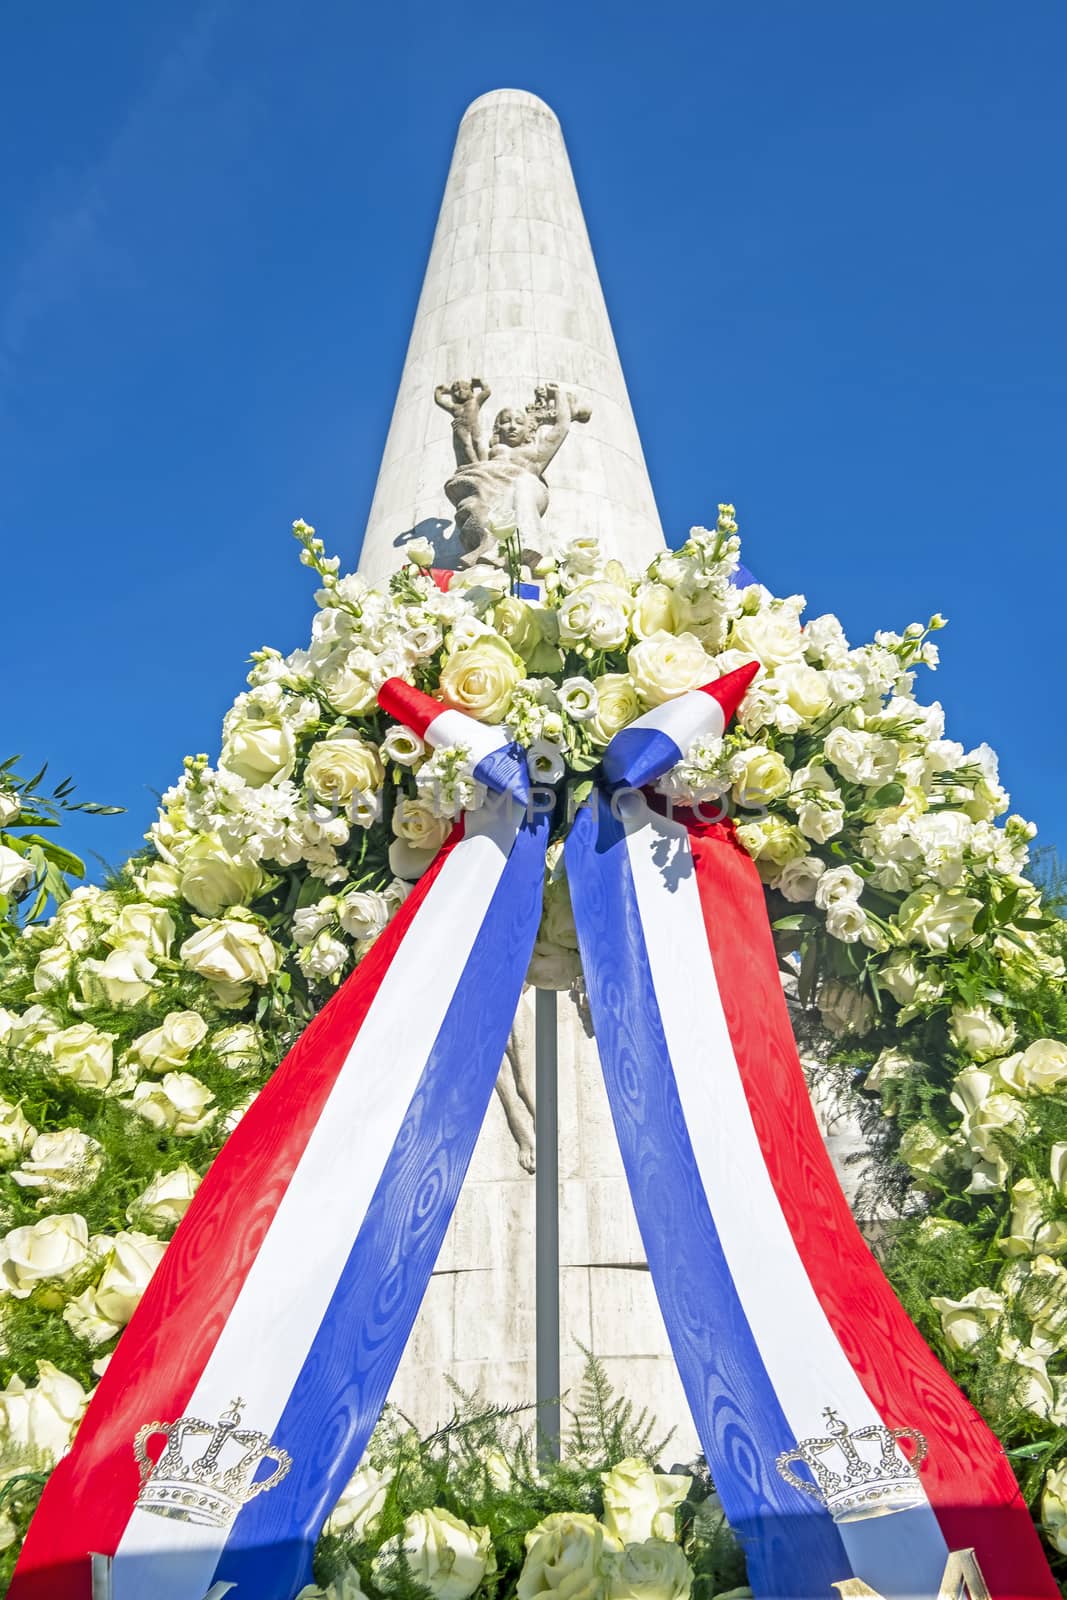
[832, 240]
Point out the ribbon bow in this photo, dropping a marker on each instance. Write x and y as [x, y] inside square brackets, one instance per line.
[290, 1288]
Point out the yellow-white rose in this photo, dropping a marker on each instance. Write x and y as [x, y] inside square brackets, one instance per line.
[772, 843]
[166, 1199]
[1058, 1168]
[938, 918]
[16, 873]
[150, 928]
[655, 610]
[60, 1162]
[759, 775]
[1054, 1508]
[965, 1322]
[442, 1552]
[211, 880]
[259, 752]
[51, 1249]
[924, 1150]
[123, 978]
[980, 1032]
[639, 1503]
[339, 767]
[83, 1055]
[53, 969]
[132, 1259]
[772, 635]
[1038, 1069]
[361, 1504]
[346, 1587]
[231, 950]
[655, 1569]
[16, 1134]
[805, 689]
[240, 1045]
[414, 821]
[566, 1558]
[350, 692]
[1033, 1231]
[178, 1104]
[617, 705]
[480, 677]
[901, 975]
[172, 1043]
[159, 882]
[666, 665]
[42, 1418]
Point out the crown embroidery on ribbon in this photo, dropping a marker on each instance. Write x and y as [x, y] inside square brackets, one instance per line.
[858, 1473]
[207, 1471]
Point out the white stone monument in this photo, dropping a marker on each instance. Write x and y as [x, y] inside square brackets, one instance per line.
[511, 297]
[512, 304]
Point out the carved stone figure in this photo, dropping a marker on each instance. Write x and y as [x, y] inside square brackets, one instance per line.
[507, 492]
[463, 400]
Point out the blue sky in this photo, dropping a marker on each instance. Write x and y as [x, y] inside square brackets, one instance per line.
[832, 240]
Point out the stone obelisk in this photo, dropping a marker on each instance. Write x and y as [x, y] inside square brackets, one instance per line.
[512, 298]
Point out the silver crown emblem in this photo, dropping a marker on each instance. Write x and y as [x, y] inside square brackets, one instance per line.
[206, 1485]
[863, 1473]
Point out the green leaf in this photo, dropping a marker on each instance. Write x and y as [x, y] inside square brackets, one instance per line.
[890, 794]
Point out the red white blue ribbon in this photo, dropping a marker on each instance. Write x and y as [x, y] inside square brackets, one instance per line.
[293, 1282]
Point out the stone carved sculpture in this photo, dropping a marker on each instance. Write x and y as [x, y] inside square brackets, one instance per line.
[463, 400]
[506, 492]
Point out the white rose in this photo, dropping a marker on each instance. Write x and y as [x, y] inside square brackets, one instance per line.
[342, 766]
[639, 1503]
[890, 1067]
[159, 882]
[656, 1569]
[16, 1134]
[238, 1046]
[597, 614]
[172, 1043]
[363, 913]
[346, 1587]
[1054, 1508]
[901, 975]
[758, 775]
[53, 969]
[1058, 1168]
[130, 1264]
[211, 879]
[60, 1162]
[42, 1418]
[804, 688]
[179, 1104]
[772, 843]
[83, 1055]
[123, 978]
[617, 705]
[1038, 1069]
[16, 873]
[480, 677]
[147, 927]
[1032, 1389]
[414, 820]
[443, 1553]
[10, 806]
[938, 918]
[1033, 1232]
[232, 951]
[847, 921]
[324, 957]
[166, 1199]
[800, 879]
[965, 1322]
[259, 752]
[53, 1248]
[407, 861]
[655, 610]
[350, 692]
[924, 1150]
[566, 1558]
[666, 665]
[979, 1032]
[85, 1319]
[420, 551]
[774, 635]
[361, 1503]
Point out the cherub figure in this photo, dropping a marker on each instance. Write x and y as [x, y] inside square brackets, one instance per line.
[463, 400]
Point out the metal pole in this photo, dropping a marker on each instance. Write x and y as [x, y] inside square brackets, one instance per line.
[100, 1567]
[546, 1137]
